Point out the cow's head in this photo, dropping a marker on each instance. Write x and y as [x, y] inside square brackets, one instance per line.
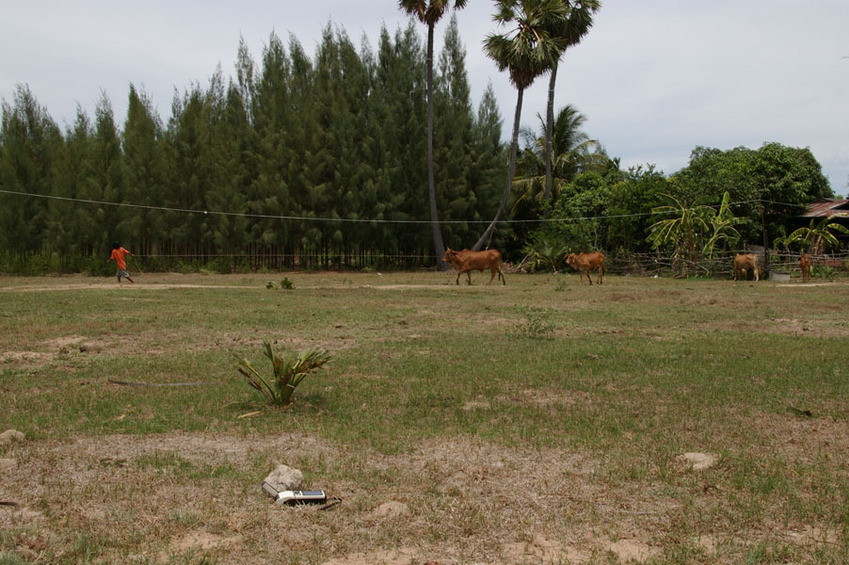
[570, 259]
[449, 254]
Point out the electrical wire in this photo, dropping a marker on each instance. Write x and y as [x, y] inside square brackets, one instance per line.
[359, 220]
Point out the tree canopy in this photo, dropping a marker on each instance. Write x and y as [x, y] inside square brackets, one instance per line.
[768, 186]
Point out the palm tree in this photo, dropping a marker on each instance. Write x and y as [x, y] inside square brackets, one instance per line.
[571, 29]
[429, 12]
[572, 153]
[526, 51]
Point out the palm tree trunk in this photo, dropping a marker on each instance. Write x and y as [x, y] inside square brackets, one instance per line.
[438, 245]
[549, 129]
[511, 170]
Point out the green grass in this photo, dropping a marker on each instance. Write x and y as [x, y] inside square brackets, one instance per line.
[626, 376]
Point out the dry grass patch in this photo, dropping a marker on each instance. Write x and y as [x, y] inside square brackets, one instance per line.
[448, 500]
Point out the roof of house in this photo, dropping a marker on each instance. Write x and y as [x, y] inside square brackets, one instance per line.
[827, 209]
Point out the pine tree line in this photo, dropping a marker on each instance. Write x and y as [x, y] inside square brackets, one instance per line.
[315, 161]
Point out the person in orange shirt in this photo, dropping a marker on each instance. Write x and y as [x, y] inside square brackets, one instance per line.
[118, 255]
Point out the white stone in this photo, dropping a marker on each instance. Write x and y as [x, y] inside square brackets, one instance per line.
[285, 478]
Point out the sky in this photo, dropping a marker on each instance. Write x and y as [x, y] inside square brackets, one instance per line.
[654, 78]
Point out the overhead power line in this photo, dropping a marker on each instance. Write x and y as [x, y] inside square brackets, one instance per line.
[231, 214]
[348, 220]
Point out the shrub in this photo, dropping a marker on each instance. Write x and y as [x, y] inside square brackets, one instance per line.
[286, 376]
[538, 322]
[822, 272]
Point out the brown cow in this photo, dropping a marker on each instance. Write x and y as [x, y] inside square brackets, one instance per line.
[466, 261]
[745, 263]
[587, 262]
[805, 265]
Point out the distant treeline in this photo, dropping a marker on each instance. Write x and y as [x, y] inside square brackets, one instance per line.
[306, 157]
[321, 162]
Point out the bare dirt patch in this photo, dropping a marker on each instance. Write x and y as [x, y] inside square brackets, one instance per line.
[409, 286]
[25, 358]
[203, 541]
[631, 550]
[107, 286]
[543, 550]
[804, 430]
[41, 353]
[403, 556]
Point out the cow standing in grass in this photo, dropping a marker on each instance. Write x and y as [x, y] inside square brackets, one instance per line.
[745, 263]
[587, 262]
[466, 261]
[805, 265]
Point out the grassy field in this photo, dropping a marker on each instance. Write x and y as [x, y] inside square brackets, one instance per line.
[640, 421]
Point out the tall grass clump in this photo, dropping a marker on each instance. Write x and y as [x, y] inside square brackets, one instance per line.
[538, 321]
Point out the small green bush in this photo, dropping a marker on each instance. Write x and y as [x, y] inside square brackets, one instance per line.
[822, 272]
[285, 284]
[538, 322]
[286, 375]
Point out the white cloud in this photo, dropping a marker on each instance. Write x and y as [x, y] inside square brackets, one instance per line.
[655, 78]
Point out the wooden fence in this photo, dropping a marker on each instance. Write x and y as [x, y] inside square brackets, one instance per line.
[720, 266]
[272, 259]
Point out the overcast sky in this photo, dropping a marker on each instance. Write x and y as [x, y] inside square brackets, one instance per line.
[654, 78]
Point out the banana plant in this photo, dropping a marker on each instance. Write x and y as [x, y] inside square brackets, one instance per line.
[684, 231]
[722, 223]
[818, 236]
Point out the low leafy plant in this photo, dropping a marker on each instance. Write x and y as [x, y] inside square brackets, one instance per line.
[285, 284]
[561, 284]
[822, 272]
[286, 375]
[538, 322]
[544, 252]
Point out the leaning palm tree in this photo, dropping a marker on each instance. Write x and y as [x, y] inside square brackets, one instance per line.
[526, 51]
[571, 28]
[429, 12]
